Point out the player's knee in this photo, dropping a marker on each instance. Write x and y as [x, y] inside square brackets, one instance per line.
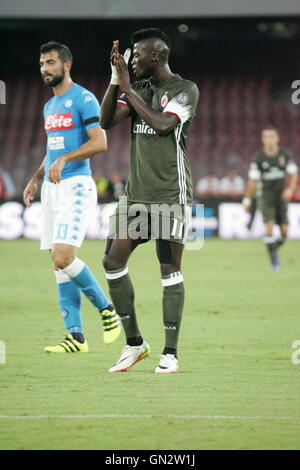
[284, 231]
[269, 230]
[105, 262]
[167, 269]
[61, 260]
[111, 264]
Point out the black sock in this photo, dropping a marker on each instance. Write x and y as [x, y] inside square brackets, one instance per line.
[122, 294]
[78, 337]
[280, 242]
[135, 341]
[271, 247]
[173, 300]
[170, 351]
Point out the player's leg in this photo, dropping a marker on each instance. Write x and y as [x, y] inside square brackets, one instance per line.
[269, 212]
[121, 290]
[169, 255]
[69, 300]
[74, 200]
[120, 286]
[271, 244]
[283, 222]
[77, 197]
[284, 233]
[69, 297]
[68, 294]
[65, 260]
[253, 209]
[80, 275]
[269, 228]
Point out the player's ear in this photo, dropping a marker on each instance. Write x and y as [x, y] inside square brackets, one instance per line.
[155, 56]
[67, 66]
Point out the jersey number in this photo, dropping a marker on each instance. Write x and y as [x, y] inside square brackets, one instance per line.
[177, 229]
[62, 230]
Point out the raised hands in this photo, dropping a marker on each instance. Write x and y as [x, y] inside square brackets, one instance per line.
[119, 65]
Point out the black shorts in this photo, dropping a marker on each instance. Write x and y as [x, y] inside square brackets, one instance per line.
[276, 210]
[144, 221]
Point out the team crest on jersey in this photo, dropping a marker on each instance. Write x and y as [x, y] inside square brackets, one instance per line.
[281, 160]
[265, 165]
[164, 100]
[68, 103]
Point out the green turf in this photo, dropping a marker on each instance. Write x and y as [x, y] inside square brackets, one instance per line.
[235, 356]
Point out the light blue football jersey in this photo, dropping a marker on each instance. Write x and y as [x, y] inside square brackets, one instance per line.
[67, 118]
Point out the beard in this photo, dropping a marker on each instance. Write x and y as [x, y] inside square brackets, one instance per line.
[141, 73]
[55, 80]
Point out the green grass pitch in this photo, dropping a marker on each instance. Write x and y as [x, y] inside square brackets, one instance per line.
[237, 387]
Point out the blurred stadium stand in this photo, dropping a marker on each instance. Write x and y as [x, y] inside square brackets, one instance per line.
[243, 69]
[225, 132]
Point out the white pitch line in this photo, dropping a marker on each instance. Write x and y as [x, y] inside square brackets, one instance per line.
[116, 416]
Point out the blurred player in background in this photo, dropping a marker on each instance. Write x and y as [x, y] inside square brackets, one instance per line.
[7, 187]
[271, 166]
[68, 195]
[161, 106]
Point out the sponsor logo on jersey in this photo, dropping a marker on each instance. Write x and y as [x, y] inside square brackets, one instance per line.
[182, 99]
[68, 103]
[88, 98]
[59, 121]
[56, 143]
[275, 173]
[142, 128]
[164, 100]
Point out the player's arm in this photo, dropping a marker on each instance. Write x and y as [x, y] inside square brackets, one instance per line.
[31, 188]
[249, 193]
[113, 112]
[253, 179]
[162, 123]
[97, 143]
[292, 171]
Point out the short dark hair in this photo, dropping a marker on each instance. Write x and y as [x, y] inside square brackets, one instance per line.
[270, 127]
[150, 33]
[63, 51]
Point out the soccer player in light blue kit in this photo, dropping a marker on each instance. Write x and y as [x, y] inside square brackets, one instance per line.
[68, 194]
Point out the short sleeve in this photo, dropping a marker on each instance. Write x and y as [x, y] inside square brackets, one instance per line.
[291, 168]
[123, 101]
[184, 103]
[89, 109]
[254, 171]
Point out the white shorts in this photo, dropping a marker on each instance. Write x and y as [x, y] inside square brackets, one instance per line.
[66, 210]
